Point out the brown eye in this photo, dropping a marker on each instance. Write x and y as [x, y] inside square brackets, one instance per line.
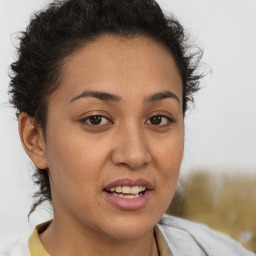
[156, 120]
[159, 120]
[95, 120]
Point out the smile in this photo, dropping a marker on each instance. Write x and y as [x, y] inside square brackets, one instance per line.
[128, 194]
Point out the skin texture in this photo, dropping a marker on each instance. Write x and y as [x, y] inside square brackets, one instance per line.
[83, 158]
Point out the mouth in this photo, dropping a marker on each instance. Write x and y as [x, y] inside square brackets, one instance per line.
[128, 194]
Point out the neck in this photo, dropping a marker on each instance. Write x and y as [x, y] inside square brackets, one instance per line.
[72, 239]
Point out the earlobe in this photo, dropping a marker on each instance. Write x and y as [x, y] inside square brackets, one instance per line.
[32, 140]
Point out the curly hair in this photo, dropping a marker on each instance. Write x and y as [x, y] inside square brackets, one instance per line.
[63, 28]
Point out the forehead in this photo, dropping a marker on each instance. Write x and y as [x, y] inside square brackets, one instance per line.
[121, 66]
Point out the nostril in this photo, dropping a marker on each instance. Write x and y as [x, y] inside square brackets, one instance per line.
[123, 164]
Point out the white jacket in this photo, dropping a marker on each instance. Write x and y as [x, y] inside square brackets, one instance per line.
[184, 238]
[187, 238]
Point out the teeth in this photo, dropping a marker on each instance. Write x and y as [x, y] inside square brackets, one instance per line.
[127, 196]
[118, 189]
[135, 190]
[128, 190]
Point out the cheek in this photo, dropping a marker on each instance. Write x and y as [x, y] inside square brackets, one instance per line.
[168, 161]
[169, 152]
[74, 163]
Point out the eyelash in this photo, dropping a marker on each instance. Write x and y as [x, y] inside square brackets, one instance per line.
[84, 120]
[100, 117]
[168, 119]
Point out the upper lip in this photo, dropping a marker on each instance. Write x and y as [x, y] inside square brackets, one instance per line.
[130, 183]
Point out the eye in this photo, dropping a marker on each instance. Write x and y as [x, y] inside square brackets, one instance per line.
[159, 120]
[96, 120]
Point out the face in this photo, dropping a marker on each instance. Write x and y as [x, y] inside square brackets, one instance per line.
[114, 136]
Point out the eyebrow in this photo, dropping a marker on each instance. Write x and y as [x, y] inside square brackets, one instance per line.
[105, 96]
[160, 96]
[98, 95]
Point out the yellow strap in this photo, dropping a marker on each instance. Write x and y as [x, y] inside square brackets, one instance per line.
[34, 244]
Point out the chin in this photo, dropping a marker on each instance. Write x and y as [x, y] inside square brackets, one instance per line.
[129, 227]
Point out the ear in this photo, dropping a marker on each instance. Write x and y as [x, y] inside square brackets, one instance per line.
[32, 140]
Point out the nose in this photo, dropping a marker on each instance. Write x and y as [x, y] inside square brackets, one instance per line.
[131, 149]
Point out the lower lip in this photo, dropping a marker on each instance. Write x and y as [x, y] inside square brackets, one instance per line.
[128, 203]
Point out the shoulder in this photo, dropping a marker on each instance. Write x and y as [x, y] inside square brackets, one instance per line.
[190, 238]
[16, 248]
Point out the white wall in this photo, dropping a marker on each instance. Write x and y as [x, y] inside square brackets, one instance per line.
[220, 131]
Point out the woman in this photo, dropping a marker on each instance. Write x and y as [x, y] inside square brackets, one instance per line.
[101, 89]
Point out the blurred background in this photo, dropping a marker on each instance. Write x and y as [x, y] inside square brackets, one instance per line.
[218, 175]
